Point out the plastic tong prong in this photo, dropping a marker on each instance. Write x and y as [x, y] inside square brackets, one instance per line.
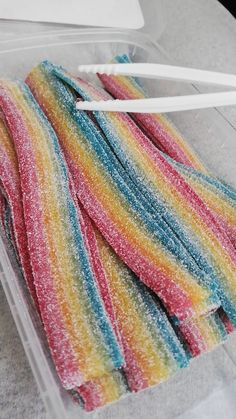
[162, 104]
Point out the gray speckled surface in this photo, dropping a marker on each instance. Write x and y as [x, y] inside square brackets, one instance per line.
[199, 33]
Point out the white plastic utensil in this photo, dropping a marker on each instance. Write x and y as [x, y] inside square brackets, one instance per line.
[162, 71]
[162, 104]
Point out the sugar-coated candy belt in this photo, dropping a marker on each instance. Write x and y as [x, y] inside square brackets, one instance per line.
[45, 101]
[155, 177]
[150, 356]
[218, 196]
[116, 131]
[167, 138]
[92, 210]
[212, 214]
[81, 339]
[94, 393]
[157, 126]
[115, 203]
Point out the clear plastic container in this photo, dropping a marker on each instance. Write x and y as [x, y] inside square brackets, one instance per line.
[208, 131]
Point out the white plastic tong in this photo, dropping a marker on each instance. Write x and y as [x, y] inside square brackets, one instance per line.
[162, 104]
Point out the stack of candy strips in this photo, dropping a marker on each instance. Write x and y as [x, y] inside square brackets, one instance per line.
[125, 240]
[118, 208]
[218, 196]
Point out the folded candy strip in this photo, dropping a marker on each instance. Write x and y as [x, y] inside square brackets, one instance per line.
[167, 138]
[204, 333]
[82, 342]
[114, 203]
[116, 128]
[165, 188]
[101, 391]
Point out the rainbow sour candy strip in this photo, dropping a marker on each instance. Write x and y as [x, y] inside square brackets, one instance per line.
[108, 332]
[80, 337]
[151, 170]
[109, 197]
[107, 393]
[102, 390]
[151, 349]
[218, 196]
[116, 133]
[166, 137]
[157, 126]
[155, 176]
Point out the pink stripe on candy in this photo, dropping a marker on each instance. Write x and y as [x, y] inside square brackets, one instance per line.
[134, 374]
[193, 338]
[11, 184]
[90, 394]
